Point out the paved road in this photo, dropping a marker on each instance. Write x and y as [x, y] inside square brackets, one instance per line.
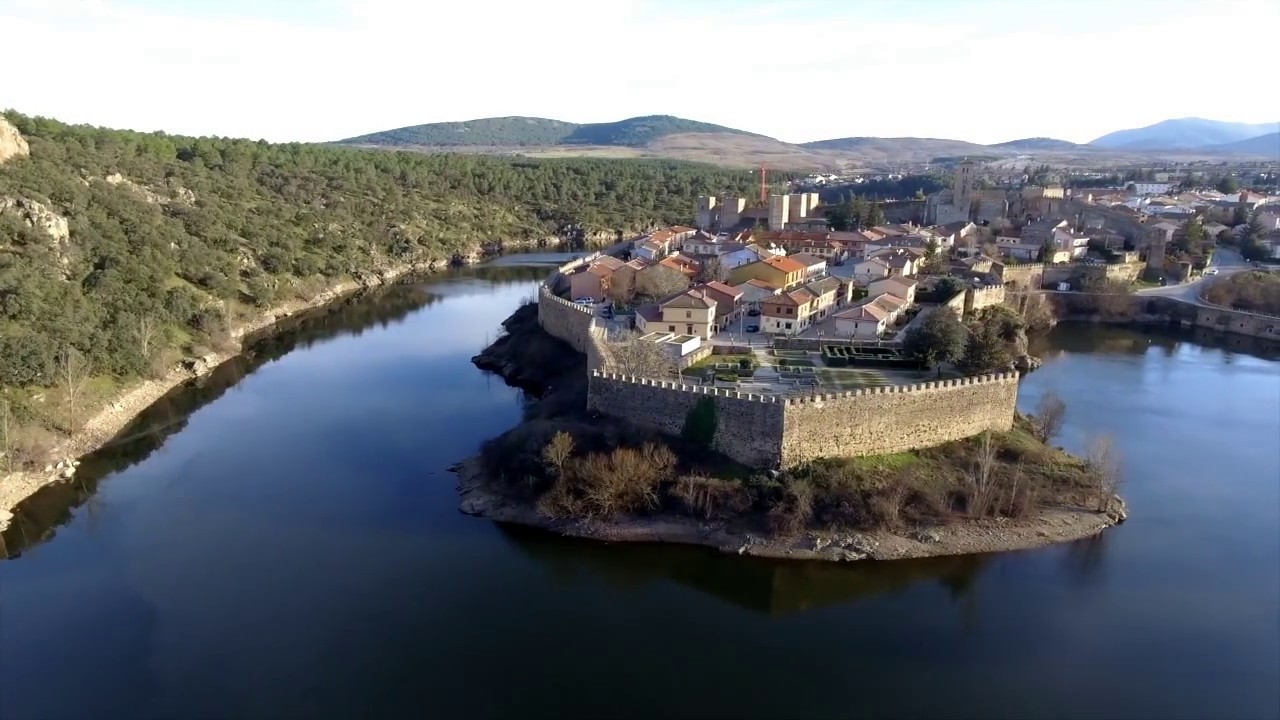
[1227, 261]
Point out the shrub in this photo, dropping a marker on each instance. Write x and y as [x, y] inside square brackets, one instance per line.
[711, 498]
[791, 515]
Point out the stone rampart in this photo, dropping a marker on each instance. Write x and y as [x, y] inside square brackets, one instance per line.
[748, 426]
[977, 298]
[896, 419]
[568, 321]
[1023, 277]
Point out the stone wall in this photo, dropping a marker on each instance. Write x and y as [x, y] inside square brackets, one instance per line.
[565, 320]
[748, 426]
[896, 419]
[977, 298]
[1239, 322]
[1024, 277]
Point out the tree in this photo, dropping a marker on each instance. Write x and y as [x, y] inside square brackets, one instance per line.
[981, 478]
[1228, 185]
[932, 257]
[632, 356]
[839, 218]
[1103, 460]
[1193, 236]
[659, 281]
[1251, 245]
[1046, 423]
[6, 436]
[711, 270]
[938, 338]
[1239, 216]
[557, 452]
[875, 215]
[858, 210]
[146, 333]
[74, 372]
[984, 350]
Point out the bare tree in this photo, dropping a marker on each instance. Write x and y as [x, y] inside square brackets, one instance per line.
[712, 270]
[633, 356]
[982, 477]
[146, 332]
[1103, 459]
[558, 451]
[74, 371]
[659, 281]
[1046, 423]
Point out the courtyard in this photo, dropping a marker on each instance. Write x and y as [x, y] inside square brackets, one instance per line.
[787, 372]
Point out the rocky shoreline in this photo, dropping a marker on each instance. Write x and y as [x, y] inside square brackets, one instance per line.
[120, 410]
[1050, 527]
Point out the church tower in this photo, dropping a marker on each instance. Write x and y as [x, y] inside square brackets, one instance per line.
[962, 186]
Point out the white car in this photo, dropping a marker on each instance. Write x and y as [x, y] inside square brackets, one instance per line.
[585, 301]
[1211, 271]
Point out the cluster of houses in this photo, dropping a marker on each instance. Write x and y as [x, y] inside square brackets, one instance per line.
[688, 283]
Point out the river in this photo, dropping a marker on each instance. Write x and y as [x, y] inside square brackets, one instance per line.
[282, 540]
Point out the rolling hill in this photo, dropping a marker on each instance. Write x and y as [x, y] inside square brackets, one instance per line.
[675, 138]
[1264, 145]
[1182, 134]
[1037, 143]
[530, 131]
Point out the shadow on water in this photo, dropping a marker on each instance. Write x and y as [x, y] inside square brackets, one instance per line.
[771, 588]
[1137, 340]
[37, 518]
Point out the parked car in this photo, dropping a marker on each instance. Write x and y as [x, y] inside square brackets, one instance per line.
[585, 301]
[1211, 271]
[753, 312]
[753, 328]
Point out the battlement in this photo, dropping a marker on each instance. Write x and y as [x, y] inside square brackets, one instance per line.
[729, 393]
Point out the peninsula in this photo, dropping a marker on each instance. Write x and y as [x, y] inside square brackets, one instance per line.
[762, 459]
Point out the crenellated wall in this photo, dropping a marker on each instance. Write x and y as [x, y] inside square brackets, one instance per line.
[778, 431]
[748, 426]
[896, 419]
[977, 298]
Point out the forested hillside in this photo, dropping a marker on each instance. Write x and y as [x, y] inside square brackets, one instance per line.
[129, 249]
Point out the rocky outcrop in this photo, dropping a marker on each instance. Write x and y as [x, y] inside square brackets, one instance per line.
[46, 221]
[177, 193]
[12, 144]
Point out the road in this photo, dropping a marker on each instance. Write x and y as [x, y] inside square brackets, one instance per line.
[1227, 261]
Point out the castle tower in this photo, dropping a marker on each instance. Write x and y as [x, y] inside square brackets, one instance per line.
[779, 211]
[962, 186]
[731, 212]
[705, 214]
[798, 207]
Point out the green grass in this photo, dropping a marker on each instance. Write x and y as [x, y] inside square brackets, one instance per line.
[711, 360]
[792, 362]
[851, 378]
[798, 354]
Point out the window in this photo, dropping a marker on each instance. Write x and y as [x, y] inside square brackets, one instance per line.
[671, 328]
[791, 311]
[788, 326]
[688, 329]
[688, 314]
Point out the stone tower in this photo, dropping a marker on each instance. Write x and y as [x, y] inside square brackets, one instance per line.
[962, 186]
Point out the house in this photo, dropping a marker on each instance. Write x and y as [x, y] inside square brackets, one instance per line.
[901, 260]
[1161, 232]
[788, 312]
[658, 280]
[593, 280]
[1040, 232]
[705, 244]
[736, 256]
[682, 264]
[831, 245]
[1151, 188]
[648, 318]
[755, 291]
[1017, 249]
[692, 312]
[900, 287]
[870, 318]
[729, 307]
[827, 297]
[1074, 244]
[659, 243]
[622, 284]
[1214, 229]
[779, 271]
[814, 265]
[865, 271]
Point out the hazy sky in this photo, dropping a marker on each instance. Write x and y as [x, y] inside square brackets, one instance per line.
[985, 71]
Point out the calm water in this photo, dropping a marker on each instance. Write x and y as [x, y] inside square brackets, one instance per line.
[292, 549]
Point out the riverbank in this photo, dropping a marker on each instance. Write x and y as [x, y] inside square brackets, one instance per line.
[115, 414]
[1055, 525]
[910, 505]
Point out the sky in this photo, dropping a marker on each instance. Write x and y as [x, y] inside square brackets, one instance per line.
[797, 70]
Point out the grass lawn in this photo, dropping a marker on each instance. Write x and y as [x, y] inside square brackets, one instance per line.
[789, 354]
[799, 362]
[851, 378]
[711, 361]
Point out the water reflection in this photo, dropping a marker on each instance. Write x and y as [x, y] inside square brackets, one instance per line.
[773, 588]
[1092, 338]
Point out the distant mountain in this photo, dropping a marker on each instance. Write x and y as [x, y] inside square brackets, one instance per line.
[1037, 143]
[1182, 134]
[530, 131]
[1264, 145]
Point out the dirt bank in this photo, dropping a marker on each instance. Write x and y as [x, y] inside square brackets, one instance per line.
[107, 422]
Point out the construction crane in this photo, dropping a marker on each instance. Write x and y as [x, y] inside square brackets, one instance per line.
[764, 184]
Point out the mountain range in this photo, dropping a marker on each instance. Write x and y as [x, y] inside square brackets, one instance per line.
[667, 136]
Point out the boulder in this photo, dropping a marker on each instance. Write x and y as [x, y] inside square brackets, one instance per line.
[930, 536]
